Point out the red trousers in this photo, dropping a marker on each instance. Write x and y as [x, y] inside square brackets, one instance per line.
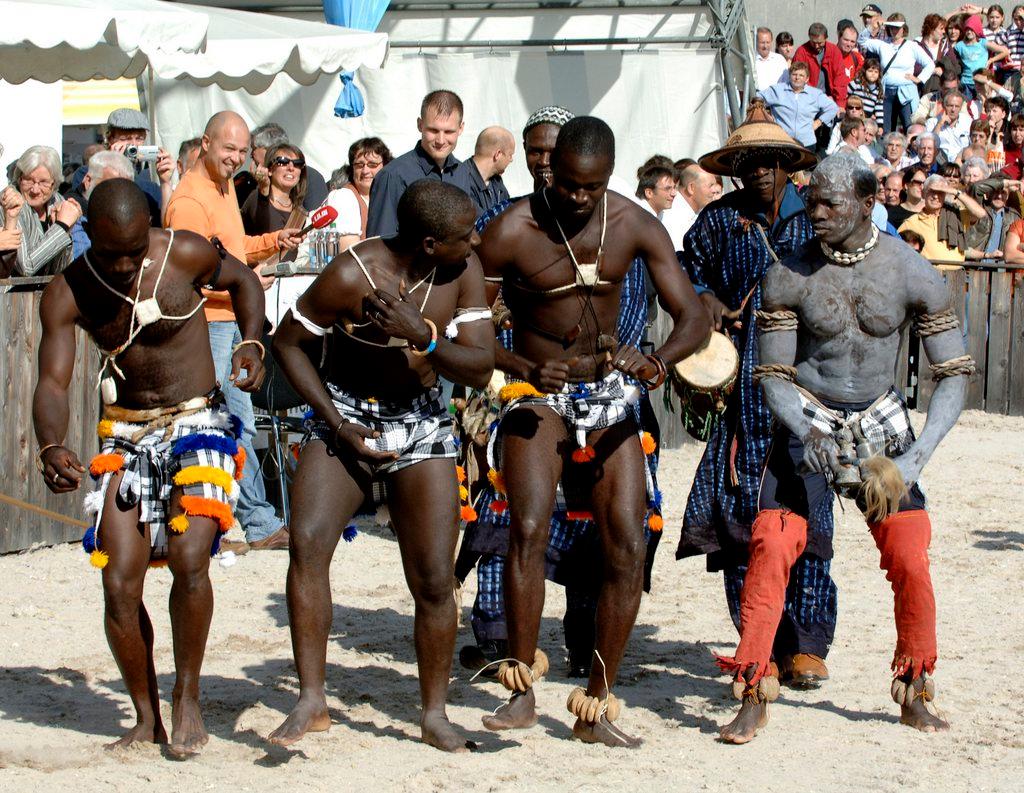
[778, 538]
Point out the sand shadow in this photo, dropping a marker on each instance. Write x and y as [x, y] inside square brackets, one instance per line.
[44, 697]
[1002, 540]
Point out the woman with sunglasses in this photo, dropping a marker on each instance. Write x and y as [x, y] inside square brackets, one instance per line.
[282, 206]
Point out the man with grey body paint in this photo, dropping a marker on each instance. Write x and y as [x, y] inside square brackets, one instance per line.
[830, 330]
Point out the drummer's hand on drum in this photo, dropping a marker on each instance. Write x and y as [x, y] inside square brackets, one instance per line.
[821, 453]
[720, 312]
[550, 377]
[632, 362]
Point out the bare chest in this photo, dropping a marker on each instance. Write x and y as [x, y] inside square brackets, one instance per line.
[843, 301]
[108, 318]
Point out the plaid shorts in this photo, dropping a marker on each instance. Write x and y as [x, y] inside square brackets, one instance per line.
[198, 454]
[885, 424]
[418, 430]
[584, 407]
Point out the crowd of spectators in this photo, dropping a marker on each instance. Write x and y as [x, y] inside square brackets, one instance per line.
[939, 117]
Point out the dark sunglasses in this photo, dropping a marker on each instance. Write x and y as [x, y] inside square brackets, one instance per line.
[298, 163]
[917, 181]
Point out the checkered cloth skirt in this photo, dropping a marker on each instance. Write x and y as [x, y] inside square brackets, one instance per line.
[885, 424]
[584, 407]
[198, 454]
[417, 430]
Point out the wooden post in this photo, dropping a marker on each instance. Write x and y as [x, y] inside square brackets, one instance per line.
[977, 324]
[997, 372]
[1015, 402]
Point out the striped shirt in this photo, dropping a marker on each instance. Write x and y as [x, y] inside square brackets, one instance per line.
[874, 106]
[42, 252]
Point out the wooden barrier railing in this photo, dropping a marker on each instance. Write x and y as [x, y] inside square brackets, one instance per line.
[989, 300]
[19, 341]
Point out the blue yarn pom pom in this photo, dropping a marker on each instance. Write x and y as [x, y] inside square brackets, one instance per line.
[656, 501]
[203, 440]
[89, 540]
[215, 546]
[350, 533]
[236, 426]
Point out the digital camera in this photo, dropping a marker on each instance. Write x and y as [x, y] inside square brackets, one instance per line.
[142, 153]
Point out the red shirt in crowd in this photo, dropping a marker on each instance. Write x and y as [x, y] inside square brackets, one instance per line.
[851, 64]
[832, 63]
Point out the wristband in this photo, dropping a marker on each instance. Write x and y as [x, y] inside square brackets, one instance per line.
[39, 454]
[257, 342]
[433, 341]
[660, 376]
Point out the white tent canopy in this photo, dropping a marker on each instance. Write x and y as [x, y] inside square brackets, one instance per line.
[246, 50]
[50, 40]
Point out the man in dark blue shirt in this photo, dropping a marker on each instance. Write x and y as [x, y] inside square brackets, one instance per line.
[440, 125]
[494, 150]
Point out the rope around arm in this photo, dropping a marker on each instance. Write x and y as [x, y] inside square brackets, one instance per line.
[954, 367]
[930, 324]
[779, 371]
[769, 321]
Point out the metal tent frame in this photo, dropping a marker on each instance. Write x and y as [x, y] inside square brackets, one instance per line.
[728, 31]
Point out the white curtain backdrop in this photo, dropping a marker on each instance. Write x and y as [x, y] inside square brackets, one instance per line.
[657, 101]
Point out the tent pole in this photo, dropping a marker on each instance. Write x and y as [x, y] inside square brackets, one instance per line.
[151, 104]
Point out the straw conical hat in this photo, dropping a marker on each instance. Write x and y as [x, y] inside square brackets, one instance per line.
[758, 132]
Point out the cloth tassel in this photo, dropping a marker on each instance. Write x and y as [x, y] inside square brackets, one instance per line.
[89, 540]
[497, 480]
[239, 457]
[499, 506]
[579, 515]
[350, 533]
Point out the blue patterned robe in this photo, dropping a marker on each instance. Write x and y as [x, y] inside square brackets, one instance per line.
[725, 253]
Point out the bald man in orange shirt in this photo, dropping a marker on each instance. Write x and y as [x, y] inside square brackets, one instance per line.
[205, 202]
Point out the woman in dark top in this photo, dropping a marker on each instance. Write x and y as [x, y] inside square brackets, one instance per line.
[281, 207]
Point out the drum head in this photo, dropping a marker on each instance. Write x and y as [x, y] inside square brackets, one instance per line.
[713, 366]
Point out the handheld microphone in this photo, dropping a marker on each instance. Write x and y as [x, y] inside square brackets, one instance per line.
[323, 217]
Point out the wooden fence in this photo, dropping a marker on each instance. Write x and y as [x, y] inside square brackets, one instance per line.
[19, 340]
[989, 300]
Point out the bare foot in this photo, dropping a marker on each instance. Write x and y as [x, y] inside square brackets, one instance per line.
[140, 733]
[518, 713]
[439, 733]
[751, 718]
[188, 735]
[308, 715]
[603, 731]
[922, 716]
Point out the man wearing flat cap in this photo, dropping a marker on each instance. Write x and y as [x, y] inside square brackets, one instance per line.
[126, 127]
[727, 253]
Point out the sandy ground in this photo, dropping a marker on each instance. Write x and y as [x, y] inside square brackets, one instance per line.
[61, 697]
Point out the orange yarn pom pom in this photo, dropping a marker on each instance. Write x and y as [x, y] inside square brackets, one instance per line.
[655, 522]
[209, 508]
[239, 458]
[584, 454]
[467, 513]
[648, 443]
[499, 506]
[106, 464]
[460, 474]
[497, 480]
